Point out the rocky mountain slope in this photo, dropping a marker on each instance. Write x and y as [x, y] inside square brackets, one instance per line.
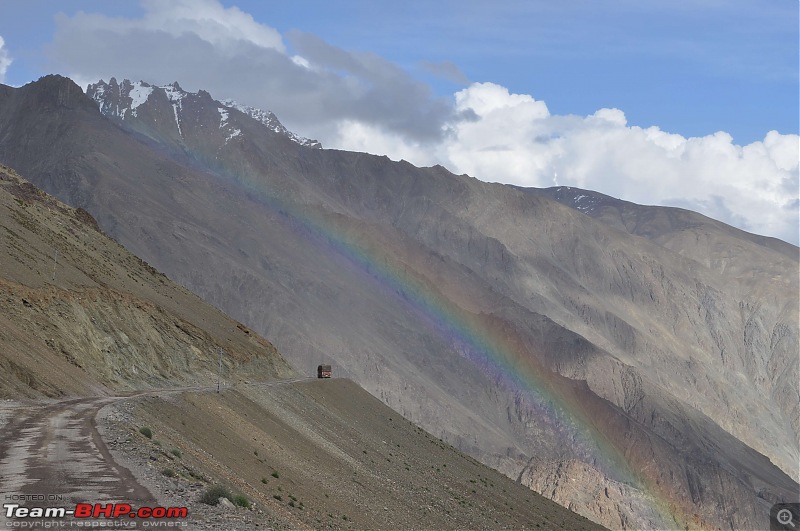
[683, 231]
[95, 321]
[320, 455]
[81, 315]
[643, 380]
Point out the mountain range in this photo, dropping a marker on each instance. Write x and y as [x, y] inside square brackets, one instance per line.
[637, 364]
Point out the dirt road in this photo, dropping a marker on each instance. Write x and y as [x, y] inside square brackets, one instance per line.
[53, 456]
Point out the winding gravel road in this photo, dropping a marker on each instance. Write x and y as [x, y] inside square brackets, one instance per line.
[52, 455]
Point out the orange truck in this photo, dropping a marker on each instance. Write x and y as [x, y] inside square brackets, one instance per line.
[324, 371]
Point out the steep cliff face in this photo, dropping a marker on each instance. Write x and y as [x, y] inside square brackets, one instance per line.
[647, 359]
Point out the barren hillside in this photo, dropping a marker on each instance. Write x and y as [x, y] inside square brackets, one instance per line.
[322, 454]
[83, 315]
[86, 325]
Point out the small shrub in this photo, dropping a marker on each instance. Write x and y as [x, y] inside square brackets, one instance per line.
[212, 494]
[147, 432]
[276, 475]
[176, 452]
[240, 500]
[291, 503]
[157, 442]
[264, 481]
[168, 472]
[277, 497]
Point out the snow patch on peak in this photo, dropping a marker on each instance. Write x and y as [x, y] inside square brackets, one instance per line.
[139, 94]
[177, 119]
[223, 123]
[174, 92]
[175, 95]
[119, 99]
[265, 117]
[123, 101]
[271, 122]
[585, 203]
[234, 133]
[98, 94]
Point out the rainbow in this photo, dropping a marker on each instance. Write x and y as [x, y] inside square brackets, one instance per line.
[494, 346]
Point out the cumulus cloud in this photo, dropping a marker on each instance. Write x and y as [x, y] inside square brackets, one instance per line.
[5, 60]
[752, 186]
[513, 138]
[359, 101]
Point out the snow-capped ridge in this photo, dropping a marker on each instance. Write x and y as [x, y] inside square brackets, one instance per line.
[124, 101]
[120, 99]
[268, 119]
[174, 92]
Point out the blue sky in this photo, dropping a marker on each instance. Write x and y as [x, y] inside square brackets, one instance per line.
[690, 67]
[429, 81]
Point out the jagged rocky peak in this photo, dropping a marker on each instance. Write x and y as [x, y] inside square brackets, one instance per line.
[122, 101]
[119, 99]
[53, 91]
[271, 121]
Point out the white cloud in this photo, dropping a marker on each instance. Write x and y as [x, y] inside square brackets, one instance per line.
[207, 20]
[512, 138]
[5, 60]
[358, 136]
[361, 102]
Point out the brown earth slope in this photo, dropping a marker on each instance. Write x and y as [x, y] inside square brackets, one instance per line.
[81, 315]
[324, 454]
[94, 326]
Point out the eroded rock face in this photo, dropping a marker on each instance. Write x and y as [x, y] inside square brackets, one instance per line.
[81, 315]
[649, 355]
[583, 489]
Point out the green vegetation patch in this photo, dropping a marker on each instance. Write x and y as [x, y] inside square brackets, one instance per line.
[213, 493]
